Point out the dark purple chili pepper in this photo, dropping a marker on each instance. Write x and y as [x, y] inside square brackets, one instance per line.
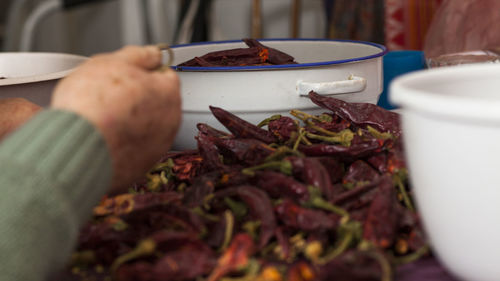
[248, 151]
[230, 57]
[202, 187]
[184, 264]
[312, 172]
[260, 207]
[209, 153]
[279, 185]
[354, 265]
[361, 114]
[275, 56]
[381, 223]
[359, 173]
[295, 216]
[211, 131]
[334, 168]
[241, 128]
[282, 128]
[345, 153]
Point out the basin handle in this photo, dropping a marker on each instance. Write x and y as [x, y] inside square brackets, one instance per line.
[353, 84]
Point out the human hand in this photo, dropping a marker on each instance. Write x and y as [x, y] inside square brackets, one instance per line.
[136, 108]
[14, 112]
[465, 25]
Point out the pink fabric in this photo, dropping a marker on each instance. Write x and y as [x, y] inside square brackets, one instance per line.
[463, 25]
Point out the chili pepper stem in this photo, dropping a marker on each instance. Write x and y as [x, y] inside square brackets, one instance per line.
[404, 194]
[303, 116]
[144, 248]
[284, 167]
[385, 266]
[339, 249]
[228, 233]
[321, 203]
[412, 257]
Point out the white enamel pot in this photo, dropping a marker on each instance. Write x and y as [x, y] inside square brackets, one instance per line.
[348, 70]
[34, 75]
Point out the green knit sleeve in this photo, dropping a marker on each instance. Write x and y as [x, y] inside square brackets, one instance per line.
[53, 171]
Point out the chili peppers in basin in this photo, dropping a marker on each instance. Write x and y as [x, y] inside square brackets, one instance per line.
[298, 197]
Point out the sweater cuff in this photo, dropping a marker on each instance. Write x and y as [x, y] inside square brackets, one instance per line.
[69, 153]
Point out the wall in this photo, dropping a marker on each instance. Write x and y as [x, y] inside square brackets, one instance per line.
[102, 27]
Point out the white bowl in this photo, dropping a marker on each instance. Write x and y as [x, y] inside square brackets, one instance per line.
[451, 125]
[34, 75]
[257, 92]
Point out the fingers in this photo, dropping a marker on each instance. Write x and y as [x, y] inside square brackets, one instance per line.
[148, 57]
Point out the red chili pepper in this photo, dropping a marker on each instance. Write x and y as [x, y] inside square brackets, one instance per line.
[235, 257]
[295, 216]
[241, 128]
[202, 186]
[279, 185]
[302, 271]
[346, 153]
[209, 153]
[359, 173]
[211, 131]
[260, 207]
[361, 114]
[312, 172]
[282, 128]
[275, 56]
[381, 224]
[247, 151]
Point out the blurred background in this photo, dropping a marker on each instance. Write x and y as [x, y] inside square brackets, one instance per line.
[88, 27]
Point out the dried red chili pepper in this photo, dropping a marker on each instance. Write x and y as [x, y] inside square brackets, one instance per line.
[334, 168]
[260, 207]
[353, 265]
[359, 173]
[282, 128]
[381, 223]
[241, 128]
[301, 271]
[361, 114]
[248, 151]
[209, 153]
[235, 257]
[312, 172]
[229, 57]
[275, 56]
[202, 187]
[279, 185]
[345, 153]
[211, 131]
[295, 216]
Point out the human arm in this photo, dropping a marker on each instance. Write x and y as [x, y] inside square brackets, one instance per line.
[109, 122]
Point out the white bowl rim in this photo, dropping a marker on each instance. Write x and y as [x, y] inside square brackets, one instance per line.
[457, 107]
[41, 77]
[382, 51]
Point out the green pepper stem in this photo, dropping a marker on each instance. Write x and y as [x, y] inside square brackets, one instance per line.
[228, 233]
[145, 248]
[338, 250]
[404, 194]
[413, 256]
[321, 203]
[284, 167]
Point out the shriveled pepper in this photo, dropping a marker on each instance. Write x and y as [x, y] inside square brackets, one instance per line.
[241, 128]
[361, 114]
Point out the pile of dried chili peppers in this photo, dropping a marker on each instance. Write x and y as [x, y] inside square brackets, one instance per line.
[306, 198]
[255, 54]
